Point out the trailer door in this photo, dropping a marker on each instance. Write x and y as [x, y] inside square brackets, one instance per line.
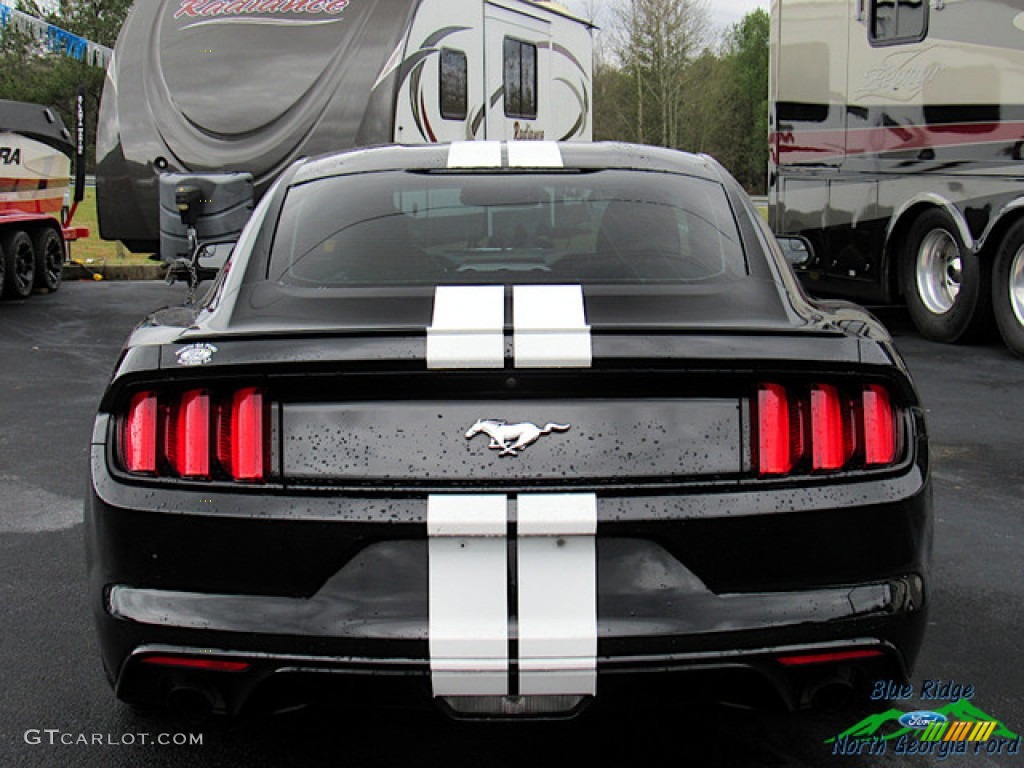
[517, 74]
[810, 43]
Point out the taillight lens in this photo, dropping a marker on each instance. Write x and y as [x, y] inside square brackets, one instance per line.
[245, 444]
[828, 439]
[879, 427]
[195, 435]
[823, 428]
[138, 434]
[774, 443]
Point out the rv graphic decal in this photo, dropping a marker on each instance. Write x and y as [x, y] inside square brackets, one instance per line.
[226, 10]
[526, 132]
[900, 77]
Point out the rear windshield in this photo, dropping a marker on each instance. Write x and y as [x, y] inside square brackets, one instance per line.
[403, 228]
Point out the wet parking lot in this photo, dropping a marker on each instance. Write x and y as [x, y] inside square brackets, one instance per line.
[56, 708]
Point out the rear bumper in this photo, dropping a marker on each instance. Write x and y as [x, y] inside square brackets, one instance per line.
[698, 594]
[280, 681]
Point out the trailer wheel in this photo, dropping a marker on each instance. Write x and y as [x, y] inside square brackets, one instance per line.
[20, 260]
[49, 249]
[1008, 288]
[945, 285]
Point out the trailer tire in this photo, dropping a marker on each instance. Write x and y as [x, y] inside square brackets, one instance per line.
[49, 249]
[1008, 288]
[20, 261]
[946, 287]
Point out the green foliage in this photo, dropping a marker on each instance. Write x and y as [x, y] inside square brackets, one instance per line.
[668, 84]
[28, 72]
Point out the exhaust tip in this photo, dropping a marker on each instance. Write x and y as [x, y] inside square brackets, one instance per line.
[831, 695]
[190, 703]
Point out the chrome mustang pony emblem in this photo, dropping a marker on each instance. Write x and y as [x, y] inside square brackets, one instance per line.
[512, 439]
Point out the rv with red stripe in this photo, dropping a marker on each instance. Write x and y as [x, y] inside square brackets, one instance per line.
[897, 151]
[35, 218]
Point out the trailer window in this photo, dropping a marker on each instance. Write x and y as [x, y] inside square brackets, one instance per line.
[520, 79]
[394, 228]
[454, 84]
[898, 21]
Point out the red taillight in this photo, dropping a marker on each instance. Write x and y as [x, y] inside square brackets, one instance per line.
[193, 434]
[774, 453]
[138, 438]
[829, 657]
[246, 436]
[192, 662]
[173, 435]
[828, 439]
[823, 428]
[879, 427]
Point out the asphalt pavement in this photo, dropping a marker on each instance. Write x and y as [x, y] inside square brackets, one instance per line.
[56, 708]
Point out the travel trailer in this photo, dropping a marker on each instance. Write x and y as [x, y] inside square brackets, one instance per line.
[897, 150]
[252, 85]
[35, 211]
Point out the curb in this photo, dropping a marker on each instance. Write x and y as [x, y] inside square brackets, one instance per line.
[76, 271]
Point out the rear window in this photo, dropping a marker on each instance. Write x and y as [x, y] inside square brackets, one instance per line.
[404, 228]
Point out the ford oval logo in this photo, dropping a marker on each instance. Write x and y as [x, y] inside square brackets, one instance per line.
[921, 719]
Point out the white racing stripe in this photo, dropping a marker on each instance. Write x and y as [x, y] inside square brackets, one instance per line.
[468, 594]
[474, 154]
[557, 583]
[468, 327]
[551, 329]
[534, 154]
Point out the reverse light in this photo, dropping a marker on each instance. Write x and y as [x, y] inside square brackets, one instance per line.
[197, 435]
[823, 428]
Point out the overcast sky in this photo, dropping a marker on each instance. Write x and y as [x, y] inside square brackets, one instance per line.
[724, 13]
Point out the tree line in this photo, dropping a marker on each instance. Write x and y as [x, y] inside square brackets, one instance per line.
[662, 75]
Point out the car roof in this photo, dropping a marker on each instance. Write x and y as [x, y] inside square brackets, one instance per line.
[502, 157]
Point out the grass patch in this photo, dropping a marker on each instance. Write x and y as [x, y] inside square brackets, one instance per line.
[94, 252]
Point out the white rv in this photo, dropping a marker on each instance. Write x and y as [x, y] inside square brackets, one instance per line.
[252, 85]
[897, 149]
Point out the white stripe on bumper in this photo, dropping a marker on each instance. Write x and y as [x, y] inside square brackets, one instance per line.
[468, 594]
[557, 583]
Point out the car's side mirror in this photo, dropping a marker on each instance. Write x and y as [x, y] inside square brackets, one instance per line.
[797, 250]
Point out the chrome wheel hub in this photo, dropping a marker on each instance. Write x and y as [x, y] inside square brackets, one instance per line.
[939, 271]
[1016, 285]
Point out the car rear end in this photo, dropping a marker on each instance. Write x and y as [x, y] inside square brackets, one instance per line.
[504, 492]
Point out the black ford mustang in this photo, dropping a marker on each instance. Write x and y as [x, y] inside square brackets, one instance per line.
[513, 428]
